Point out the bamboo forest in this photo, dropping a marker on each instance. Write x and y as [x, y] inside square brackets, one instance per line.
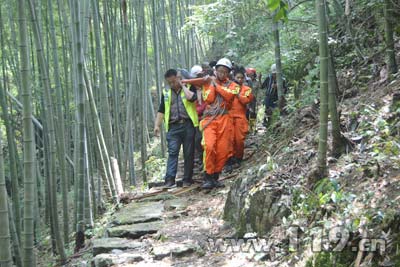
[200, 133]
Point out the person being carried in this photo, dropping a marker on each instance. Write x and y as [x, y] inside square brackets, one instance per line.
[198, 71]
[178, 110]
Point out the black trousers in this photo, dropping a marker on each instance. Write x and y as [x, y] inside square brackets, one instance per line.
[198, 146]
[177, 135]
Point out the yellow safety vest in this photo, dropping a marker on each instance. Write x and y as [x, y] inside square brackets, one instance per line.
[189, 106]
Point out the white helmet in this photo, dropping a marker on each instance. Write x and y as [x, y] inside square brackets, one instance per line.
[224, 62]
[273, 68]
[196, 70]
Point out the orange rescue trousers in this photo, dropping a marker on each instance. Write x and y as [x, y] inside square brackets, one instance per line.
[240, 130]
[217, 142]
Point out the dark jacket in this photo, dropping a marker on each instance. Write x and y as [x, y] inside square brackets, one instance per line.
[271, 93]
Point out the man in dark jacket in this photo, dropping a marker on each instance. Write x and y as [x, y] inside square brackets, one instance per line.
[271, 94]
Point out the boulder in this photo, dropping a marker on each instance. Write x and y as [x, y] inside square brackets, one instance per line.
[256, 202]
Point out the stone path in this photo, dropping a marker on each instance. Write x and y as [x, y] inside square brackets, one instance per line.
[174, 232]
[172, 228]
[150, 233]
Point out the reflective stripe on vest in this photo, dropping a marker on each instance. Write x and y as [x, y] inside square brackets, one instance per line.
[189, 106]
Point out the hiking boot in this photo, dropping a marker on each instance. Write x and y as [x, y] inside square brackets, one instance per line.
[228, 169]
[187, 183]
[217, 183]
[169, 183]
[208, 181]
[236, 164]
[229, 166]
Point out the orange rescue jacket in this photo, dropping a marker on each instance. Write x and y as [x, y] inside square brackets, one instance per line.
[244, 97]
[227, 90]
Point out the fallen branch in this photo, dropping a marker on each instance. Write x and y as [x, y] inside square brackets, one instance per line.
[229, 177]
[148, 194]
[174, 191]
[186, 189]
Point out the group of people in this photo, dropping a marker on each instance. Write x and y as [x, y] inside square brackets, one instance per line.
[209, 111]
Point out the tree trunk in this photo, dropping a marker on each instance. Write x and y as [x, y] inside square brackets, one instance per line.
[80, 164]
[5, 252]
[142, 93]
[115, 86]
[278, 63]
[48, 108]
[338, 141]
[87, 198]
[60, 129]
[29, 146]
[10, 139]
[14, 237]
[323, 120]
[12, 154]
[99, 133]
[104, 105]
[157, 65]
[126, 70]
[390, 52]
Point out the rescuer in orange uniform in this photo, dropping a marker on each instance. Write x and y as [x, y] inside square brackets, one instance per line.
[217, 123]
[238, 114]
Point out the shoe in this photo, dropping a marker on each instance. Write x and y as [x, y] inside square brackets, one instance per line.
[229, 166]
[169, 183]
[236, 165]
[208, 181]
[187, 183]
[217, 183]
[228, 169]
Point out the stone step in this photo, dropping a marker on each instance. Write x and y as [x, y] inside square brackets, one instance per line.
[106, 245]
[116, 259]
[174, 250]
[138, 213]
[134, 231]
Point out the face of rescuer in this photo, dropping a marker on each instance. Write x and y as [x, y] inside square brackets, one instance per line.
[174, 82]
[222, 73]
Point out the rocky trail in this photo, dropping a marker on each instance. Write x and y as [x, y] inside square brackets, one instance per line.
[265, 196]
[171, 228]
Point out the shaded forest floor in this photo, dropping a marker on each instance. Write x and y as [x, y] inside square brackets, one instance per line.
[173, 228]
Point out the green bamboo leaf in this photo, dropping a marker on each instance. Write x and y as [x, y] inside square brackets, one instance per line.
[279, 15]
[273, 4]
